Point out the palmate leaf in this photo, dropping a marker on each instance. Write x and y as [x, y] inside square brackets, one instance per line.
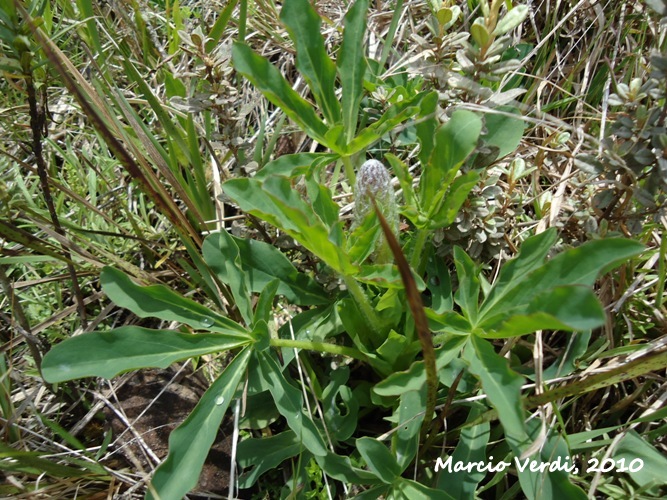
[525, 279]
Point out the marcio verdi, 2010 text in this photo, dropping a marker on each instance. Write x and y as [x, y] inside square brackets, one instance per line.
[560, 464]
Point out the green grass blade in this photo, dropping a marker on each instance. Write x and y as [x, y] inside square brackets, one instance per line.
[219, 26]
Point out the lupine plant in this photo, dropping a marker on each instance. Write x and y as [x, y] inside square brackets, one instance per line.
[397, 339]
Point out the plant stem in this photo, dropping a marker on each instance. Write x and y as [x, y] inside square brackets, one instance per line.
[321, 347]
[374, 322]
[349, 171]
[418, 250]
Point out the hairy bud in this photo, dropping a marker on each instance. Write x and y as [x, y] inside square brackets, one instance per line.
[373, 180]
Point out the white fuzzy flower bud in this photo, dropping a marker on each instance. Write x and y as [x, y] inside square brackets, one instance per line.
[374, 180]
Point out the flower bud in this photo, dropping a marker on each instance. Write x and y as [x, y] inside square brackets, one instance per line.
[373, 180]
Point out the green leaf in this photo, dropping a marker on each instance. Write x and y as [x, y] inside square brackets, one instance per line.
[276, 202]
[264, 262]
[190, 442]
[504, 132]
[548, 484]
[453, 200]
[386, 276]
[289, 401]
[407, 488]
[567, 308]
[398, 351]
[341, 468]
[454, 141]
[471, 448]
[224, 258]
[479, 32]
[414, 378]
[294, 164]
[531, 256]
[340, 406]
[405, 441]
[652, 474]
[322, 202]
[444, 16]
[106, 354]
[395, 115]
[577, 266]
[467, 296]
[404, 177]
[262, 455]
[502, 387]
[568, 360]
[264, 307]
[275, 88]
[158, 301]
[512, 19]
[355, 324]
[303, 25]
[448, 322]
[361, 242]
[352, 65]
[427, 126]
[379, 459]
[440, 285]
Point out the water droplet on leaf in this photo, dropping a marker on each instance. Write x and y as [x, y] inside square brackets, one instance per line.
[220, 400]
[206, 322]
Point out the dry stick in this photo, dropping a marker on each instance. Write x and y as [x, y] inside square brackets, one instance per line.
[421, 323]
[37, 123]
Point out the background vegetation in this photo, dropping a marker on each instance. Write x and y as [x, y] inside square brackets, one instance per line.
[191, 172]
